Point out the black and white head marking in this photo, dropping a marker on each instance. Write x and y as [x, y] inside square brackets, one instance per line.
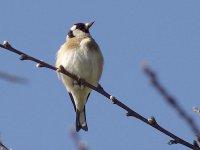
[79, 29]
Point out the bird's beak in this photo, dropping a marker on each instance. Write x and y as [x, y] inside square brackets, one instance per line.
[89, 24]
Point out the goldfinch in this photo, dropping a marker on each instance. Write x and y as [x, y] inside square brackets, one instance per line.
[80, 55]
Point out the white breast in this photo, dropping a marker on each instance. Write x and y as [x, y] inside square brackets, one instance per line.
[84, 63]
[79, 62]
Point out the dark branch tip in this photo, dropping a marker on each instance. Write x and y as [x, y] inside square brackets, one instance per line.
[23, 57]
[149, 72]
[152, 120]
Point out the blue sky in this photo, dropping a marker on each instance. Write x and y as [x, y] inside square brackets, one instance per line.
[39, 114]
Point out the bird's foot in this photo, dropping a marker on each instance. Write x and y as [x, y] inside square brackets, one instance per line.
[79, 83]
[60, 69]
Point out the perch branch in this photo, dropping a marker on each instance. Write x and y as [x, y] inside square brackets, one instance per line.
[152, 122]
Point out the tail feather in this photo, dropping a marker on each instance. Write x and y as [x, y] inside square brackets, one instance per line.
[81, 122]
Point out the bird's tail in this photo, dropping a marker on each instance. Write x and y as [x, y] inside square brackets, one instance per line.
[81, 122]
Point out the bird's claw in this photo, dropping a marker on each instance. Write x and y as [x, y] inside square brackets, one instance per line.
[79, 83]
[60, 69]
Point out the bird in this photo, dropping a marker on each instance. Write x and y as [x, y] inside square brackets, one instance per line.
[81, 56]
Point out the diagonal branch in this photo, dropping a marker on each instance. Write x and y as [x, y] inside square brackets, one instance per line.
[3, 146]
[12, 78]
[151, 121]
[171, 100]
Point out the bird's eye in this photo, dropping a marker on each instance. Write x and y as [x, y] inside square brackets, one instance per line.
[70, 34]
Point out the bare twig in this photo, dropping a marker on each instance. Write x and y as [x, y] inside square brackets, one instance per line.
[100, 90]
[3, 147]
[12, 78]
[80, 145]
[170, 99]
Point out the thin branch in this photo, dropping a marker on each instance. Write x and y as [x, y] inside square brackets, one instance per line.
[171, 100]
[12, 78]
[152, 122]
[3, 146]
[80, 145]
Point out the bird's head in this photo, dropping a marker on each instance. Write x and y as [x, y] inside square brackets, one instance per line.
[80, 30]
